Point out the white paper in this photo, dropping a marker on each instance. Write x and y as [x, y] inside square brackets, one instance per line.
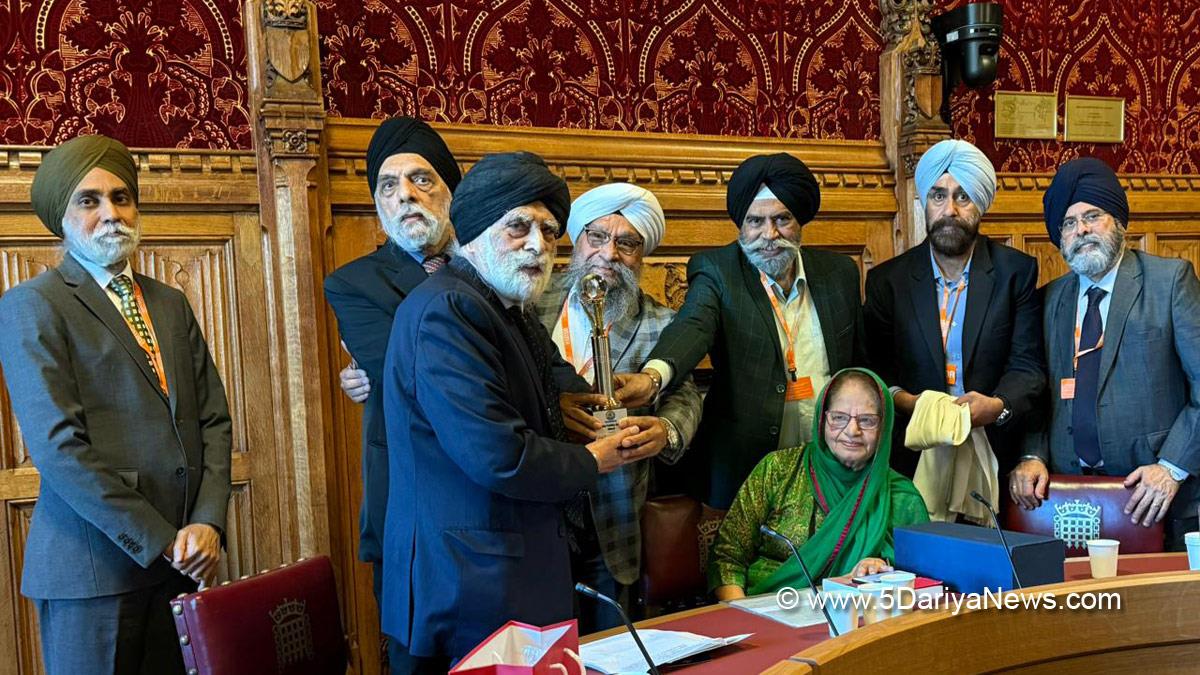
[804, 614]
[620, 654]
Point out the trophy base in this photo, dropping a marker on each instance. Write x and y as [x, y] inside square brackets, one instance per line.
[610, 419]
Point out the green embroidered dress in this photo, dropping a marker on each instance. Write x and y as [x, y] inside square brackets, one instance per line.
[834, 515]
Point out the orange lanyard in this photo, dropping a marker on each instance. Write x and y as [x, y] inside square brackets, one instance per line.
[568, 352]
[1078, 334]
[151, 350]
[944, 318]
[787, 333]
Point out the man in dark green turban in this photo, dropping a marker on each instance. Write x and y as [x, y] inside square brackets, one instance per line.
[126, 420]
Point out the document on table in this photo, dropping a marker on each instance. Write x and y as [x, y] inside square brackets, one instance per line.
[805, 613]
[620, 654]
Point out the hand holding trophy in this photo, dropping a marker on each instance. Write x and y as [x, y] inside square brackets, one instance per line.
[592, 293]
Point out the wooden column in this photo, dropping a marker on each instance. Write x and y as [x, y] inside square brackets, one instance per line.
[289, 116]
[910, 97]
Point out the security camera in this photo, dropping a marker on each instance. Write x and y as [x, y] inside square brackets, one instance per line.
[969, 38]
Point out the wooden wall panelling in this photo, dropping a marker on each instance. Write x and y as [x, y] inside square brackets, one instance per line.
[201, 234]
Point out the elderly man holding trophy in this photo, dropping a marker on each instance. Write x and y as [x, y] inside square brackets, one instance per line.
[601, 321]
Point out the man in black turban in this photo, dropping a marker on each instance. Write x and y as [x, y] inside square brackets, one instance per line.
[411, 174]
[474, 533]
[776, 319]
[1122, 334]
[125, 417]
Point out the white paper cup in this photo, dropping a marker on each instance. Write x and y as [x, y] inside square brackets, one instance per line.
[874, 600]
[899, 580]
[1102, 554]
[842, 609]
[1192, 539]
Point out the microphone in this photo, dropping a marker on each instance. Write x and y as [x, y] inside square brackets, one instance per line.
[807, 577]
[996, 521]
[584, 589]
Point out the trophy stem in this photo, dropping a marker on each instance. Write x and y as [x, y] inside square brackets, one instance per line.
[604, 384]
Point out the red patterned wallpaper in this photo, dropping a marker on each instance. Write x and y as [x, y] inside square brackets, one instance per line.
[1146, 51]
[162, 73]
[806, 68]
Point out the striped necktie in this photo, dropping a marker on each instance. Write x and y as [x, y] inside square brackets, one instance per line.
[434, 262]
[132, 313]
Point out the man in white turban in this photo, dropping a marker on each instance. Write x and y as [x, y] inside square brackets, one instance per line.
[612, 227]
[958, 314]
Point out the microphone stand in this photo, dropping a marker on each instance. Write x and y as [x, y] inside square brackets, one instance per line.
[996, 521]
[807, 577]
[584, 589]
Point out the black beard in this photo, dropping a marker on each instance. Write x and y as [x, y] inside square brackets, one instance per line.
[952, 236]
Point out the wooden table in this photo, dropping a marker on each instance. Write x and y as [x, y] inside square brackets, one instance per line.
[779, 649]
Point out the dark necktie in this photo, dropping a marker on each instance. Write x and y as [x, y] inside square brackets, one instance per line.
[434, 262]
[1087, 382]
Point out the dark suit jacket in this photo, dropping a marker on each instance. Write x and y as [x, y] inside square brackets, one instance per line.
[474, 534]
[1002, 343]
[364, 294]
[1148, 407]
[727, 315]
[122, 466]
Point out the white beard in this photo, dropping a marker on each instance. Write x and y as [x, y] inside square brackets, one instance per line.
[622, 297]
[773, 266]
[502, 270]
[101, 248]
[414, 238]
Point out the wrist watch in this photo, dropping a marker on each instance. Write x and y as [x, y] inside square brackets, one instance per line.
[1005, 414]
[674, 440]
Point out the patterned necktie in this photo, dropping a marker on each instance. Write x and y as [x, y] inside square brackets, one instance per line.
[123, 287]
[434, 262]
[1087, 382]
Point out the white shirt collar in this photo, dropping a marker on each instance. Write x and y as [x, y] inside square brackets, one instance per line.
[101, 274]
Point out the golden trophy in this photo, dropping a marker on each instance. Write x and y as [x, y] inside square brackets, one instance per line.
[592, 292]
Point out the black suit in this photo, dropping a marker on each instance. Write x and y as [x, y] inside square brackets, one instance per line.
[364, 294]
[1002, 336]
[727, 315]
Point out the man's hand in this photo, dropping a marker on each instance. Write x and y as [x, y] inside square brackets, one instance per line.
[355, 383]
[868, 566]
[984, 409]
[576, 416]
[1028, 483]
[1155, 491]
[196, 552]
[607, 450]
[648, 443]
[634, 390]
[905, 402]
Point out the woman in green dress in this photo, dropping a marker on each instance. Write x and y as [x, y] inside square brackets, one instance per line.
[836, 498]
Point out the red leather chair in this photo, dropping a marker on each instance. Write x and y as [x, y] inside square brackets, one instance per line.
[283, 621]
[1079, 508]
[676, 534]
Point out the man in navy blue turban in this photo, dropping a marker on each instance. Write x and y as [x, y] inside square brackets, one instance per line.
[1122, 335]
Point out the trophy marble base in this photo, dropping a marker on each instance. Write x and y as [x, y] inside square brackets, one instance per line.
[610, 419]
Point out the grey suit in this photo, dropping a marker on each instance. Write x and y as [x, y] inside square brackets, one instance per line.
[123, 466]
[1148, 407]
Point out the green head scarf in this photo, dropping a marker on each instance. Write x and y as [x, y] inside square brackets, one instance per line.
[859, 521]
[63, 167]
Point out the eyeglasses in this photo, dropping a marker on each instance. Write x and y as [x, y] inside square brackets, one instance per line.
[625, 245]
[1090, 219]
[838, 420]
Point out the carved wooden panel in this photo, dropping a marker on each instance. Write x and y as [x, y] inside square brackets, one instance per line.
[28, 640]
[1181, 246]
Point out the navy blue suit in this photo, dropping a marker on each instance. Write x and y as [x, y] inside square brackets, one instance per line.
[364, 294]
[474, 535]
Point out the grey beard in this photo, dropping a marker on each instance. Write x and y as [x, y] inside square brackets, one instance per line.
[1097, 261]
[502, 269]
[775, 266]
[98, 248]
[620, 300]
[414, 239]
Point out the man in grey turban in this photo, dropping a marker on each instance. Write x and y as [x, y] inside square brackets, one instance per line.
[958, 313]
[612, 227]
[125, 417]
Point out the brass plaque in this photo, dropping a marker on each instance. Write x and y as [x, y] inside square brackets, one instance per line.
[1095, 119]
[1026, 114]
